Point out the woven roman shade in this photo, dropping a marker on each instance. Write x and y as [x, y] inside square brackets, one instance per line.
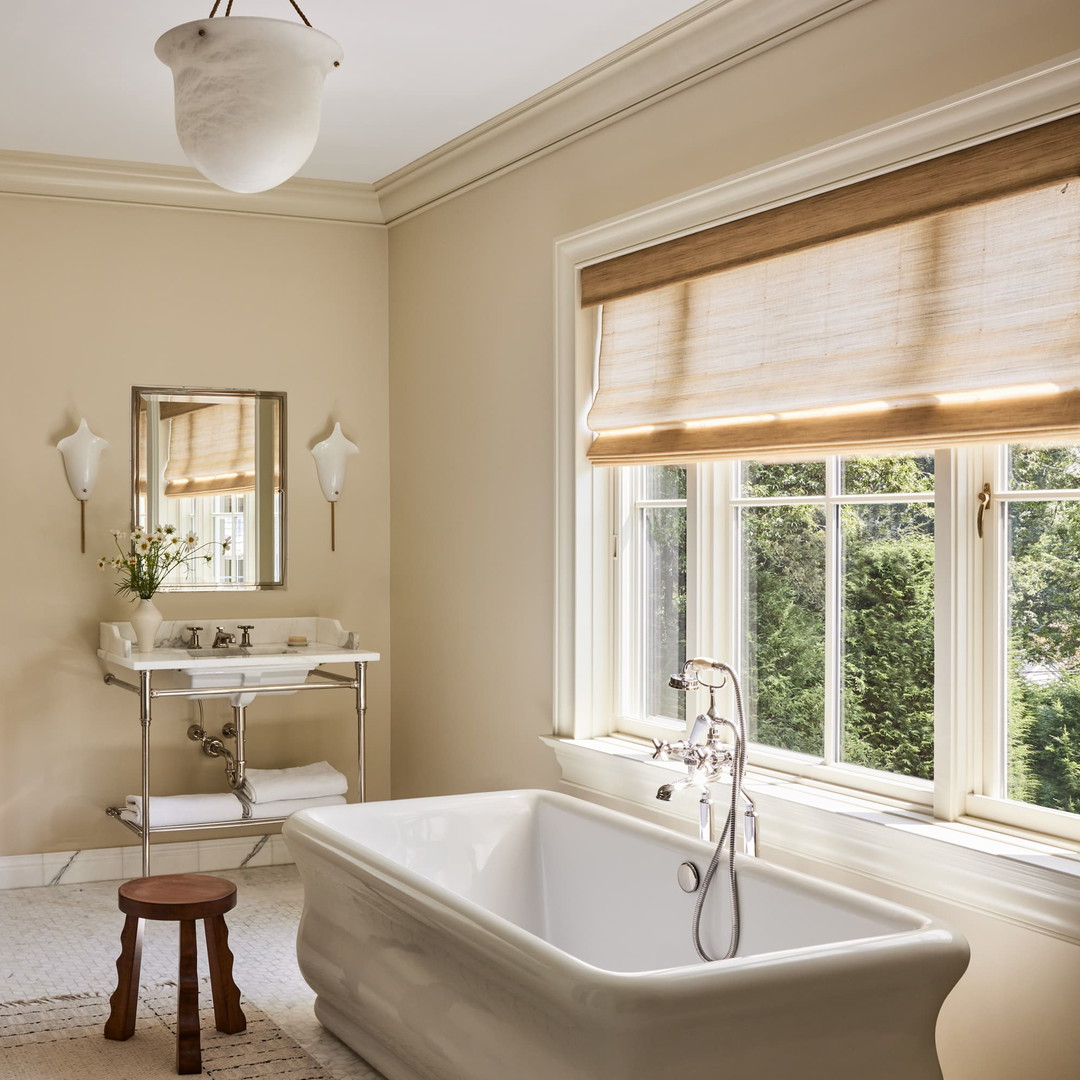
[941, 326]
[211, 449]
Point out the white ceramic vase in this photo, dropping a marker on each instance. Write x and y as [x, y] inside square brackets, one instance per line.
[145, 620]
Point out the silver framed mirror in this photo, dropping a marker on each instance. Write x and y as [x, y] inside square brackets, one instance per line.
[212, 462]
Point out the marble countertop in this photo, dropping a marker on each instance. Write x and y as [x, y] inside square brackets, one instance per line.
[326, 643]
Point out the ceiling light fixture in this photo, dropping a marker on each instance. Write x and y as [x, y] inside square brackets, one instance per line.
[248, 95]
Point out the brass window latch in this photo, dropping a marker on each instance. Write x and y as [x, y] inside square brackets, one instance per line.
[984, 502]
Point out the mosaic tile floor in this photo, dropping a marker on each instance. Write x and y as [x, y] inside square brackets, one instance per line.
[64, 939]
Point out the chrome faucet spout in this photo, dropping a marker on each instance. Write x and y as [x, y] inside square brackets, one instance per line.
[223, 640]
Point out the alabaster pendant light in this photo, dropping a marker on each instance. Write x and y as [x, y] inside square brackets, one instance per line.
[248, 95]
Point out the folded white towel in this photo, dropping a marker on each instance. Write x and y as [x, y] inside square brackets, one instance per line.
[299, 782]
[285, 807]
[168, 810]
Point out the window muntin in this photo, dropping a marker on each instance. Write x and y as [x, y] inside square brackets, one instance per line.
[828, 567]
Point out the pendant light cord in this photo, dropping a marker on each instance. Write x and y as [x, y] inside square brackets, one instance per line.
[228, 10]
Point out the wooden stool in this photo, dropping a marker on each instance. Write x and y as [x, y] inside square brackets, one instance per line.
[182, 898]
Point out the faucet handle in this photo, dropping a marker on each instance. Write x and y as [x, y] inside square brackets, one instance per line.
[663, 751]
[245, 637]
[194, 630]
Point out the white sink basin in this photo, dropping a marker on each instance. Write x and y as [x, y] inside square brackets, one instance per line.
[230, 651]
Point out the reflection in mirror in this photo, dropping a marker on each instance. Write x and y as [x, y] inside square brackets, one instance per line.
[212, 462]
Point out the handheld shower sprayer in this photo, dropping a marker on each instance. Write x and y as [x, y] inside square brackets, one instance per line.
[708, 759]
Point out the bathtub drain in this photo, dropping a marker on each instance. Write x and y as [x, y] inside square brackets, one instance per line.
[689, 878]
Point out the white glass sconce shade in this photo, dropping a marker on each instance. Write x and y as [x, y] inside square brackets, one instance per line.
[248, 96]
[331, 456]
[82, 452]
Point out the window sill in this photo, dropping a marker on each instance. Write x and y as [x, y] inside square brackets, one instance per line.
[1033, 883]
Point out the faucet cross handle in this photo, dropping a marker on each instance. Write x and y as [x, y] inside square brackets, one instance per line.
[194, 631]
[245, 637]
[664, 751]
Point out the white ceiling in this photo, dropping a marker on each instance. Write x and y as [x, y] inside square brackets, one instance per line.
[79, 77]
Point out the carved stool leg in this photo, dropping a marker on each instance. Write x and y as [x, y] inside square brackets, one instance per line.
[228, 1015]
[124, 1003]
[188, 1047]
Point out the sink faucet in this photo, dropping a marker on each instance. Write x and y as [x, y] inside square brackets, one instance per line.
[222, 640]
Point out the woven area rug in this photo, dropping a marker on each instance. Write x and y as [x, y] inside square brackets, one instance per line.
[60, 1038]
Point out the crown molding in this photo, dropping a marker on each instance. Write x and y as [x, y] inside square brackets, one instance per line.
[55, 176]
[712, 36]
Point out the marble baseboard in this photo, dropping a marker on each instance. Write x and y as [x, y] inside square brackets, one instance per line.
[107, 864]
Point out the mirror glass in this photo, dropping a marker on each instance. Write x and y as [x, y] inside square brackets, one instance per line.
[212, 462]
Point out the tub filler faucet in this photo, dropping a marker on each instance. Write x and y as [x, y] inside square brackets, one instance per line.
[709, 757]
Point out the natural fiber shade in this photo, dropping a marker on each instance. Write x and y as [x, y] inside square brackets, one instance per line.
[894, 337]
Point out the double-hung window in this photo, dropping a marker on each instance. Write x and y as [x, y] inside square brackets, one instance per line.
[841, 447]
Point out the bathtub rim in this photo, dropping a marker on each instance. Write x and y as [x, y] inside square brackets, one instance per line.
[922, 934]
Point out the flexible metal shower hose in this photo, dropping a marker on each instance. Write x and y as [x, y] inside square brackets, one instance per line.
[728, 834]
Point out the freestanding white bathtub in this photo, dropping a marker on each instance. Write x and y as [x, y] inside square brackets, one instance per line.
[528, 935]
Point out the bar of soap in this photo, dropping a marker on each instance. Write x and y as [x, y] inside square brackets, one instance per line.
[297, 639]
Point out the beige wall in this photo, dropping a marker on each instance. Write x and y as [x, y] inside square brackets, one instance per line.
[98, 297]
[472, 428]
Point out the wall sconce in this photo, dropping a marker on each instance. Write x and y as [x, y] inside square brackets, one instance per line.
[248, 95]
[82, 451]
[331, 456]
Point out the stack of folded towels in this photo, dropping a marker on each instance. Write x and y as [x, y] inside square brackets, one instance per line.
[265, 793]
[271, 793]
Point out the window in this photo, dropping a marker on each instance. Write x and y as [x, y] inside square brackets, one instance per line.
[823, 578]
[990, 707]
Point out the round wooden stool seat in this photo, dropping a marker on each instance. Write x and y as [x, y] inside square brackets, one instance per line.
[174, 897]
[186, 899]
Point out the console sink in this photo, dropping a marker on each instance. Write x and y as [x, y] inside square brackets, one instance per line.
[269, 662]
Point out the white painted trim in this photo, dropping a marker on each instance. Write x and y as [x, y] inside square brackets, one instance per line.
[54, 176]
[1032, 884]
[710, 37]
[1020, 101]
[109, 864]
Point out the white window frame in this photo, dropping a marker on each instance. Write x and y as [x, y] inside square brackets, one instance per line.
[1007, 869]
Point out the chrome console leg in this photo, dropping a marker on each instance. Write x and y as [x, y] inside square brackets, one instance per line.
[144, 721]
[361, 711]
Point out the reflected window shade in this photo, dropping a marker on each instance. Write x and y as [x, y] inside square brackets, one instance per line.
[212, 451]
[886, 339]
